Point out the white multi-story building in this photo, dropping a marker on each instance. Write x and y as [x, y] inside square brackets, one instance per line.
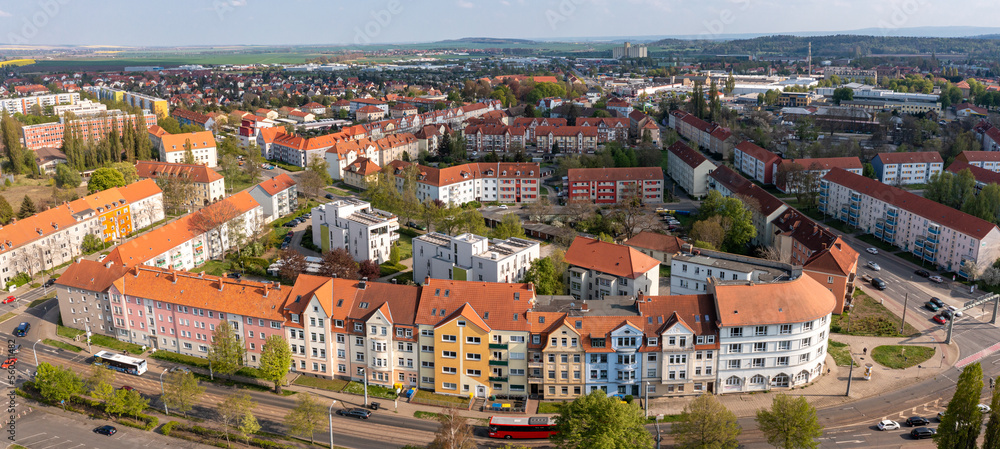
[689, 169]
[278, 196]
[505, 182]
[907, 168]
[173, 148]
[690, 270]
[81, 108]
[989, 160]
[771, 336]
[367, 233]
[931, 231]
[23, 105]
[471, 257]
[598, 269]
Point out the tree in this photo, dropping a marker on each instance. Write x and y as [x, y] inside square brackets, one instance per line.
[454, 433]
[90, 244]
[730, 85]
[597, 421]
[709, 231]
[306, 418]
[27, 208]
[339, 263]
[962, 420]
[629, 217]
[737, 218]
[127, 170]
[791, 423]
[229, 166]
[714, 105]
[706, 424]
[105, 178]
[99, 376]
[178, 192]
[546, 277]
[66, 177]
[127, 402]
[509, 226]
[992, 437]
[226, 352]
[369, 269]
[842, 94]
[971, 269]
[315, 177]
[6, 212]
[182, 392]
[57, 384]
[170, 125]
[275, 359]
[12, 142]
[237, 411]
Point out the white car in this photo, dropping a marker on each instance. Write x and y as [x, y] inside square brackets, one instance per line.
[983, 408]
[872, 250]
[503, 206]
[954, 310]
[888, 424]
[874, 266]
[936, 279]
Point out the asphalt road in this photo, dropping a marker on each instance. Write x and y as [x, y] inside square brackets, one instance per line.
[41, 430]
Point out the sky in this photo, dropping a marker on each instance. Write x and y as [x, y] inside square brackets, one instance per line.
[319, 22]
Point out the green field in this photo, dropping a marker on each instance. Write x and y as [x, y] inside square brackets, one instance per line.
[169, 60]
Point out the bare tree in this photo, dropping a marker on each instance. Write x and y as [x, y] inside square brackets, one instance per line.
[339, 263]
[178, 192]
[293, 263]
[209, 220]
[631, 217]
[770, 253]
[540, 209]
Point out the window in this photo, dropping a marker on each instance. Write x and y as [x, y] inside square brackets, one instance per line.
[807, 326]
[472, 340]
[473, 356]
[782, 361]
[758, 363]
[784, 345]
[449, 354]
[473, 372]
[449, 370]
[449, 386]
[806, 342]
[736, 332]
[733, 381]
[759, 347]
[734, 364]
[735, 348]
[785, 329]
[760, 330]
[449, 338]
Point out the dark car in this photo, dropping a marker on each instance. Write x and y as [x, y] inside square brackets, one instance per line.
[22, 329]
[947, 314]
[878, 283]
[106, 430]
[937, 301]
[234, 275]
[284, 245]
[359, 413]
[914, 421]
[921, 433]
[50, 282]
[329, 196]
[922, 273]
[931, 306]
[290, 224]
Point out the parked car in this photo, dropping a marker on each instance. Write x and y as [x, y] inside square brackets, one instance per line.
[931, 306]
[888, 424]
[9, 363]
[50, 282]
[937, 301]
[878, 283]
[234, 275]
[872, 250]
[10, 299]
[106, 430]
[182, 369]
[939, 319]
[947, 314]
[874, 266]
[329, 196]
[921, 433]
[954, 310]
[936, 279]
[356, 412]
[922, 273]
[129, 388]
[503, 206]
[284, 245]
[290, 224]
[983, 408]
[22, 330]
[914, 421]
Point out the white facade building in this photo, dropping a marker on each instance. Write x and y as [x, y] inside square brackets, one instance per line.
[472, 257]
[23, 105]
[690, 271]
[367, 233]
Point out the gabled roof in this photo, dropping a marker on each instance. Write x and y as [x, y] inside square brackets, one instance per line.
[364, 167]
[688, 156]
[826, 163]
[795, 301]
[277, 184]
[501, 306]
[199, 140]
[915, 157]
[838, 258]
[615, 174]
[756, 152]
[695, 312]
[400, 301]
[979, 156]
[669, 244]
[981, 174]
[195, 172]
[617, 260]
[90, 275]
[729, 179]
[915, 204]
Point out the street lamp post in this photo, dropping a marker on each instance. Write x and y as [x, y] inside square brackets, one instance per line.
[647, 399]
[162, 393]
[36, 354]
[330, 412]
[364, 371]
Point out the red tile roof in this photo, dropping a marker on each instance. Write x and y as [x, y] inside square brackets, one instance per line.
[502, 306]
[364, 167]
[688, 156]
[796, 301]
[90, 275]
[618, 260]
[826, 163]
[615, 174]
[915, 157]
[838, 258]
[669, 244]
[979, 156]
[451, 175]
[756, 152]
[981, 174]
[199, 140]
[195, 172]
[277, 183]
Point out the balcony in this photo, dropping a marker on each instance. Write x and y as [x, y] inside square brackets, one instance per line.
[855, 205]
[498, 345]
[892, 213]
[935, 230]
[918, 243]
[494, 362]
[498, 379]
[536, 364]
[824, 193]
[880, 225]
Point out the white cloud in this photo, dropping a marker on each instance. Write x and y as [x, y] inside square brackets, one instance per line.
[4, 14]
[237, 2]
[465, 4]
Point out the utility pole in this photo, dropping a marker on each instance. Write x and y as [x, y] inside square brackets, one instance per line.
[850, 376]
[902, 322]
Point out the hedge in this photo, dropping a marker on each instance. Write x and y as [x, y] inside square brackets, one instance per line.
[168, 427]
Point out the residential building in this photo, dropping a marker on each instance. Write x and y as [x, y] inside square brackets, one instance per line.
[369, 114]
[382, 151]
[301, 116]
[710, 137]
[209, 185]
[983, 176]
[472, 257]
[608, 129]
[691, 269]
[989, 160]
[935, 233]
[80, 109]
[365, 232]
[689, 169]
[314, 108]
[48, 159]
[195, 238]
[361, 173]
[173, 148]
[504, 182]
[24, 105]
[569, 139]
[494, 137]
[278, 196]
[988, 136]
[621, 106]
[772, 336]
[265, 140]
[964, 110]
[251, 126]
[402, 110]
[156, 105]
[82, 292]
[556, 364]
[186, 117]
[897, 169]
[629, 51]
[661, 247]
[755, 161]
[794, 175]
[614, 185]
[50, 135]
[299, 151]
[359, 103]
[836, 268]
[598, 269]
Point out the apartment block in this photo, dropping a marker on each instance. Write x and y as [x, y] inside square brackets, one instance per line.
[365, 232]
[472, 257]
[156, 105]
[614, 185]
[689, 169]
[23, 105]
[83, 296]
[598, 269]
[209, 185]
[567, 139]
[989, 160]
[755, 161]
[85, 128]
[380, 151]
[504, 182]
[708, 136]
[795, 175]
[983, 176]
[173, 148]
[494, 137]
[907, 168]
[608, 129]
[933, 232]
[691, 270]
[277, 195]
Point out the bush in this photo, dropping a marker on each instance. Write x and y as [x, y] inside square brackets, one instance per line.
[19, 279]
[629, 399]
[168, 427]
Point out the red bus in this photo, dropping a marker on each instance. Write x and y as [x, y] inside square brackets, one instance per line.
[521, 427]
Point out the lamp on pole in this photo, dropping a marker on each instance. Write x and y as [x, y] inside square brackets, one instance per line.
[364, 372]
[162, 393]
[330, 413]
[36, 354]
[647, 399]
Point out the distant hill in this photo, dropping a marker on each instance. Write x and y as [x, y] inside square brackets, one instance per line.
[843, 45]
[486, 40]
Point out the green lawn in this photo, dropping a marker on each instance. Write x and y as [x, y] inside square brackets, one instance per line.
[323, 384]
[901, 356]
[404, 278]
[549, 407]
[215, 267]
[68, 332]
[443, 400]
[41, 301]
[62, 345]
[112, 343]
[841, 353]
[374, 391]
[868, 317]
[338, 192]
[285, 166]
[405, 243]
[664, 271]
[388, 268]
[10, 315]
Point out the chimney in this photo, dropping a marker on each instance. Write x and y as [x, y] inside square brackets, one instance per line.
[638, 297]
[363, 283]
[173, 280]
[201, 275]
[265, 290]
[221, 284]
[108, 265]
[584, 307]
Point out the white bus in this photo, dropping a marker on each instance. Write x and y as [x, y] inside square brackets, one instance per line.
[118, 362]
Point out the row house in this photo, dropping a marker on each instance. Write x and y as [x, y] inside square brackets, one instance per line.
[755, 161]
[598, 269]
[209, 186]
[989, 160]
[472, 257]
[278, 196]
[795, 175]
[54, 236]
[570, 139]
[195, 238]
[365, 232]
[94, 127]
[708, 136]
[173, 148]
[907, 168]
[608, 129]
[531, 123]
[494, 137]
[689, 169]
[933, 232]
[504, 182]
[614, 185]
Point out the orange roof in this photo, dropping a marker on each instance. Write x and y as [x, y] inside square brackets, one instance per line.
[315, 143]
[501, 306]
[369, 109]
[695, 312]
[277, 183]
[139, 190]
[451, 175]
[241, 297]
[619, 260]
[157, 131]
[655, 241]
[796, 301]
[199, 140]
[839, 259]
[90, 275]
[195, 172]
[364, 167]
[268, 134]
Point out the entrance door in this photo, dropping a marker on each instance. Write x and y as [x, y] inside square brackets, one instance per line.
[481, 391]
